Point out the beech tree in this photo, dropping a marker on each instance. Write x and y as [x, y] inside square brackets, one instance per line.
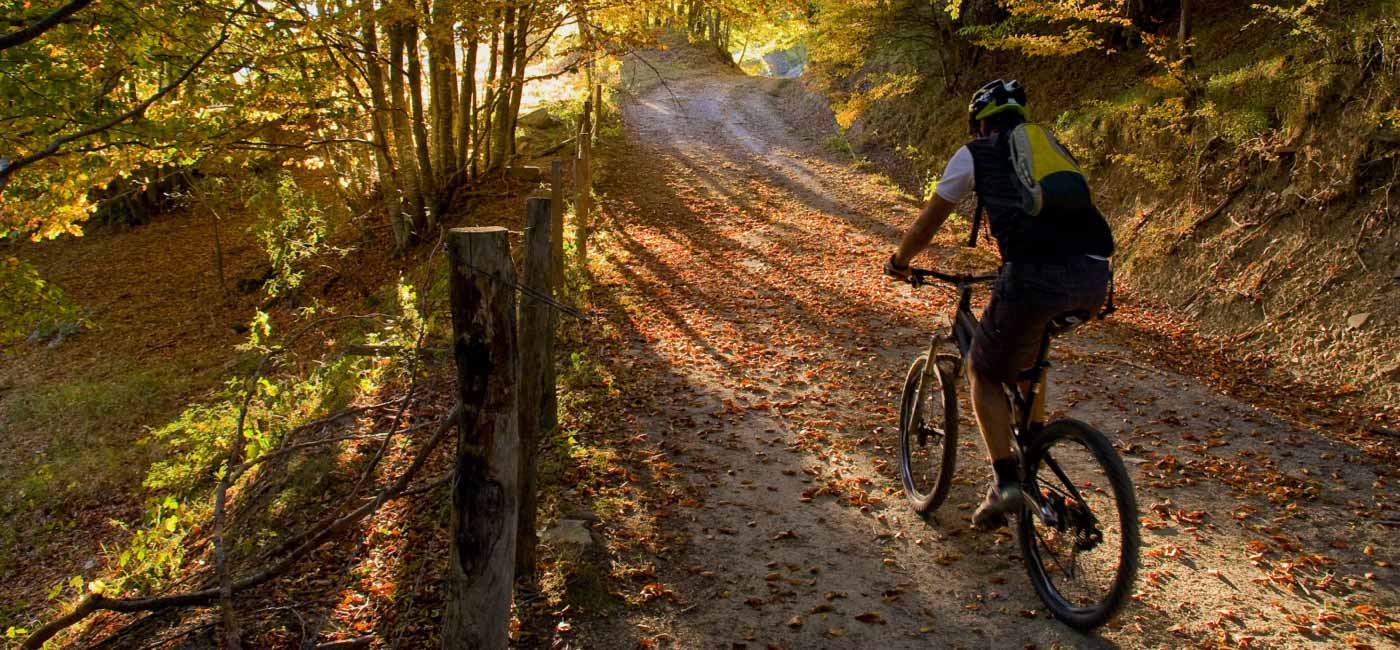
[109, 99]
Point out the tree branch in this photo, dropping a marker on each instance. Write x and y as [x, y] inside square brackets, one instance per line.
[26, 34]
[9, 167]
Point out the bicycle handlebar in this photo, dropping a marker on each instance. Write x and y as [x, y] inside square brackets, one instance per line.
[919, 277]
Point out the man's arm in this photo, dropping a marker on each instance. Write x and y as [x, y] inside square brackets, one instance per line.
[919, 236]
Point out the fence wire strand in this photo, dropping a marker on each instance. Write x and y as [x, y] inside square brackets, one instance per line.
[531, 292]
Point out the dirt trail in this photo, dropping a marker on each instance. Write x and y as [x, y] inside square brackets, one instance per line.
[745, 260]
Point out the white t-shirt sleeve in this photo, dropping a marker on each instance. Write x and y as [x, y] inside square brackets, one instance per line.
[956, 180]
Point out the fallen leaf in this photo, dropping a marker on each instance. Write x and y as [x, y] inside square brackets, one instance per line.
[871, 618]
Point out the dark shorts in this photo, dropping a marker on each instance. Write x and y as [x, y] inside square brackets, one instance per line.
[1024, 299]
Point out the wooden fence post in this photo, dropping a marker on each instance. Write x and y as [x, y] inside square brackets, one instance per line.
[536, 359]
[485, 492]
[556, 221]
[598, 103]
[583, 183]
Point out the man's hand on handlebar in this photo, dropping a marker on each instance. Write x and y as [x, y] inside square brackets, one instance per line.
[897, 272]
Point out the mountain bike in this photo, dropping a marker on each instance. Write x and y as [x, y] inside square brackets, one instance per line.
[1078, 530]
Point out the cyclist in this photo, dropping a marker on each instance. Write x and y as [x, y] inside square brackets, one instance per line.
[1051, 264]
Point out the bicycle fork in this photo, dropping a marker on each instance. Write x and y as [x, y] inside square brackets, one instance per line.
[930, 372]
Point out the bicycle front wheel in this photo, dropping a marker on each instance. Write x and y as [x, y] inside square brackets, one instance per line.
[1079, 533]
[928, 432]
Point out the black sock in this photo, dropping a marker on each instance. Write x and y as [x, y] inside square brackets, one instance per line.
[1005, 469]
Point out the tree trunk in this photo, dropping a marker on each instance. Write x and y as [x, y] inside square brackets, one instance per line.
[420, 128]
[466, 113]
[485, 491]
[1184, 33]
[488, 105]
[585, 34]
[522, 58]
[403, 136]
[504, 136]
[389, 186]
[442, 64]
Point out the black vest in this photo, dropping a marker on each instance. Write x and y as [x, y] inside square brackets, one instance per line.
[1021, 237]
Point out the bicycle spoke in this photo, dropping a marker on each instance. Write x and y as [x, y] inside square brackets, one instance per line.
[1046, 545]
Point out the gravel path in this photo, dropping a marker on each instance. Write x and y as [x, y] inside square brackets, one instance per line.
[745, 260]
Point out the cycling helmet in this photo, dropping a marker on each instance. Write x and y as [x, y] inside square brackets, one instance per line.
[996, 97]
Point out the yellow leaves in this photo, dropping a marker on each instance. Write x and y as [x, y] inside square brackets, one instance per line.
[1104, 13]
[1072, 41]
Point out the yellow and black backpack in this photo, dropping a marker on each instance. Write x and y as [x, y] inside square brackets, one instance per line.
[1049, 179]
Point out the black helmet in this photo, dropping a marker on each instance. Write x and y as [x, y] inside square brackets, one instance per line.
[996, 97]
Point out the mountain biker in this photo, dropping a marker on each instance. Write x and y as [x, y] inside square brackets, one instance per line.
[1051, 264]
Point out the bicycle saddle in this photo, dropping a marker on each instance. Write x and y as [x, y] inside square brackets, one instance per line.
[1067, 321]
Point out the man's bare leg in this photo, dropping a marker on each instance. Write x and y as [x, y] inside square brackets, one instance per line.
[993, 415]
[994, 420]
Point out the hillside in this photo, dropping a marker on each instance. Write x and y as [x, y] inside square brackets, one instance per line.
[1252, 196]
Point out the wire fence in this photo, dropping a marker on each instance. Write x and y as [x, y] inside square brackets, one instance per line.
[532, 293]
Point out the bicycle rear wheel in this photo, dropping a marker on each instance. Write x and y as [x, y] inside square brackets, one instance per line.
[1081, 548]
[928, 432]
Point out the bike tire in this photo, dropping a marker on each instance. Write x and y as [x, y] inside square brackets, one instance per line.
[938, 452]
[1033, 543]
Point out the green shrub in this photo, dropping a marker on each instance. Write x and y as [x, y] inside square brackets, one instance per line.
[154, 553]
[32, 308]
